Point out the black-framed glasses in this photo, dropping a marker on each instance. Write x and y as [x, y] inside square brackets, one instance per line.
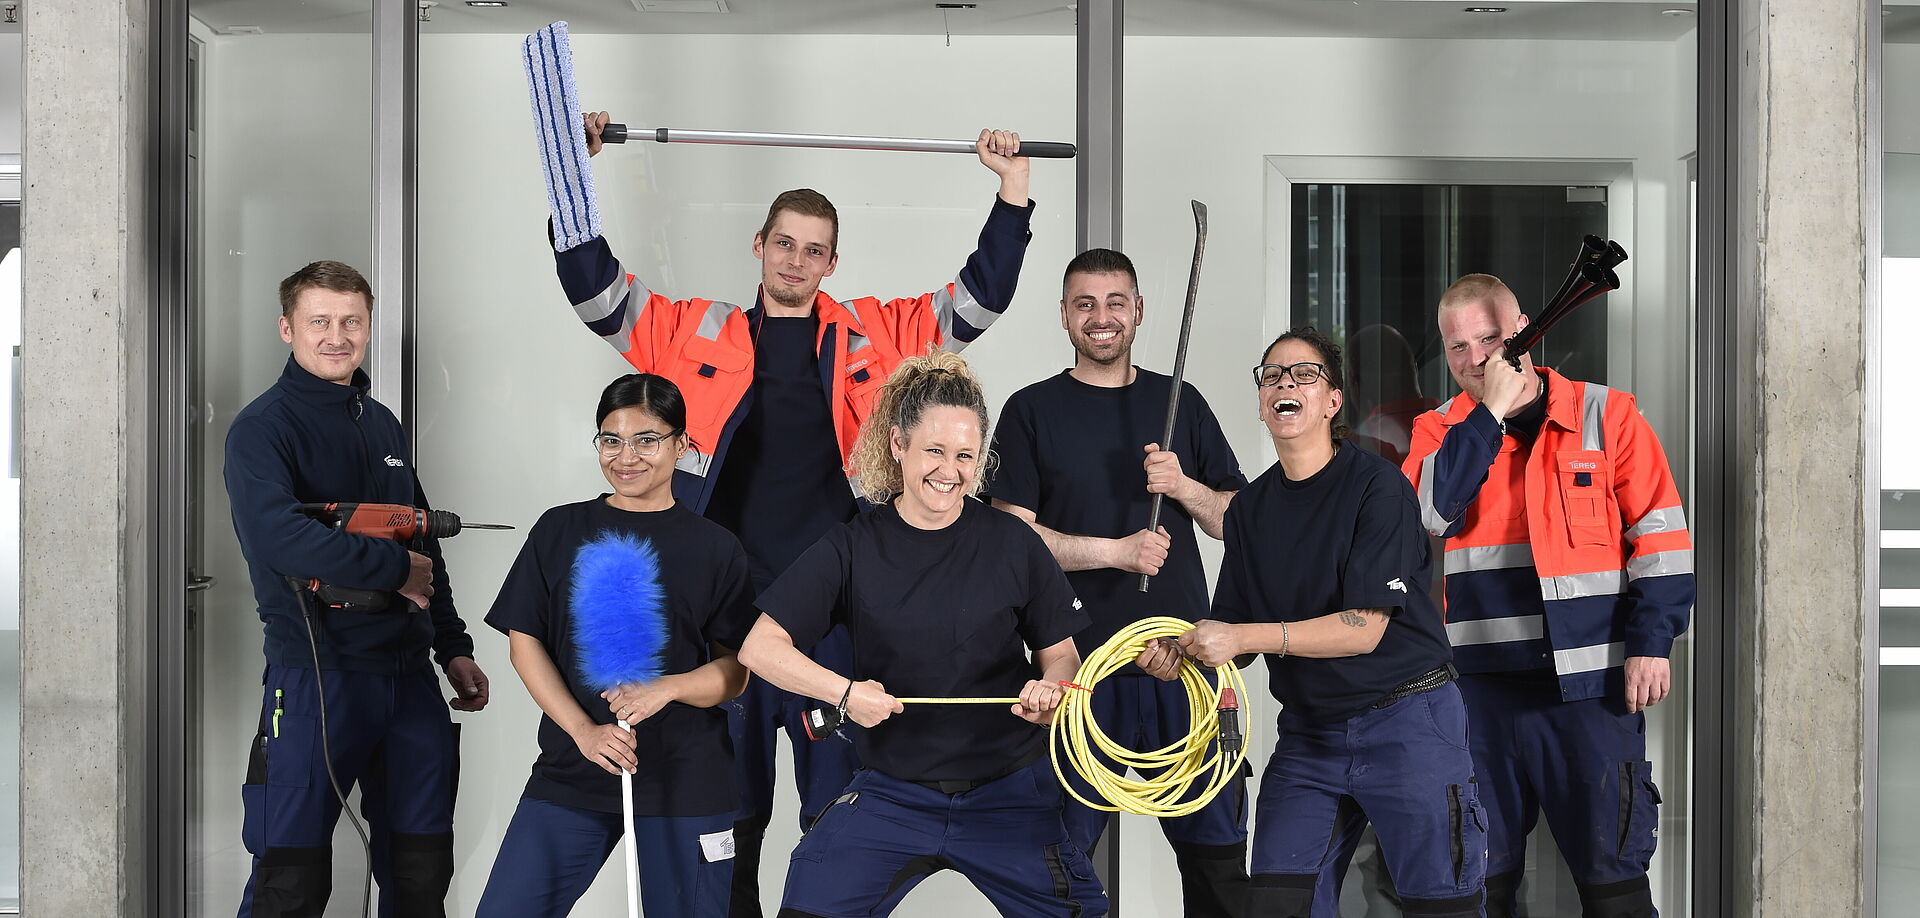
[644, 445]
[1305, 373]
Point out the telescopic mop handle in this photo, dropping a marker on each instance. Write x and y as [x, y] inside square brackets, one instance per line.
[620, 133]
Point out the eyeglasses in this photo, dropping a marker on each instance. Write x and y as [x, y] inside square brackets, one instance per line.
[643, 445]
[1268, 375]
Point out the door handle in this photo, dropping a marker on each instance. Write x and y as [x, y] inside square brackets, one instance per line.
[199, 583]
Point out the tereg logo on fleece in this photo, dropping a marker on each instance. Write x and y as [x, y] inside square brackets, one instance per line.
[1395, 584]
[396, 463]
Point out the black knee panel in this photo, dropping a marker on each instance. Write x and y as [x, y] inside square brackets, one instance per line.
[1213, 879]
[293, 882]
[422, 871]
[748, 837]
[1467, 906]
[1503, 892]
[1625, 899]
[1282, 895]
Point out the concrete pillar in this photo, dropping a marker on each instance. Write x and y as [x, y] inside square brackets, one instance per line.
[1801, 548]
[84, 582]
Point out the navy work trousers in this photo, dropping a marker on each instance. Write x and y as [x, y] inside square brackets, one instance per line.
[389, 734]
[884, 835]
[1584, 764]
[1404, 768]
[821, 769]
[552, 853]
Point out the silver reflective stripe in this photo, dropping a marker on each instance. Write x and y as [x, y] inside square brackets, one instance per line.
[1575, 586]
[1488, 558]
[715, 320]
[1665, 519]
[695, 462]
[955, 299]
[848, 306]
[603, 305]
[1661, 564]
[1497, 630]
[1590, 658]
[1593, 416]
[1430, 517]
[1445, 407]
[857, 342]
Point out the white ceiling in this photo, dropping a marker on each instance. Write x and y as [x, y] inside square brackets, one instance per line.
[1587, 19]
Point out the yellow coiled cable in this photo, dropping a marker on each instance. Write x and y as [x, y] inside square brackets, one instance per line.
[1078, 742]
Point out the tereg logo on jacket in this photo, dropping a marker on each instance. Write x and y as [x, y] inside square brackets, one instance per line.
[1395, 584]
[396, 463]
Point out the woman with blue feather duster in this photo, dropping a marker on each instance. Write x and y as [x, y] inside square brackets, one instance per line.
[622, 613]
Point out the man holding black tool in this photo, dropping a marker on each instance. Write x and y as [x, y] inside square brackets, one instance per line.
[1072, 465]
[1569, 575]
[776, 394]
[350, 692]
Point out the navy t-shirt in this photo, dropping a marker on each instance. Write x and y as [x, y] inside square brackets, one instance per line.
[783, 483]
[685, 753]
[1349, 537]
[1071, 453]
[935, 613]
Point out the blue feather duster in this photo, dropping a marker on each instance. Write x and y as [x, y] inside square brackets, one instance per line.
[619, 612]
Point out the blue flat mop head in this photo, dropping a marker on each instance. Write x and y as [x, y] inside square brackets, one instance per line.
[619, 612]
[548, 58]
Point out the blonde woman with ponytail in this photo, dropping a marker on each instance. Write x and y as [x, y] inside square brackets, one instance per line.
[945, 597]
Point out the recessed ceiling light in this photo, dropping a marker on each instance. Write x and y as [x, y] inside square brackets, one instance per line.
[1486, 9]
[681, 6]
[487, 3]
[1676, 12]
[955, 6]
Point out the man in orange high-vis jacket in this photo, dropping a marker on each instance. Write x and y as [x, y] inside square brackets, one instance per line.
[775, 396]
[1569, 573]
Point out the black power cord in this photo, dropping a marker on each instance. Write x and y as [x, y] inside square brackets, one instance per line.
[326, 750]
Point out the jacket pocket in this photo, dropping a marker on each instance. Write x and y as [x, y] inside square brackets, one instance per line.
[1586, 496]
[861, 382]
[723, 372]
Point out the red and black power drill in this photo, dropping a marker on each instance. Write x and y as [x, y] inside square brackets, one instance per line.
[398, 522]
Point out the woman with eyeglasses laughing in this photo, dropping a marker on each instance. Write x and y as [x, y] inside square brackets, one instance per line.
[678, 750]
[1326, 572]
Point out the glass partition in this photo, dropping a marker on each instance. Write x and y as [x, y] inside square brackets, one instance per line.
[508, 376]
[283, 177]
[1356, 158]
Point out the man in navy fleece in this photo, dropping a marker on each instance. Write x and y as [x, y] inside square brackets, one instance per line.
[316, 436]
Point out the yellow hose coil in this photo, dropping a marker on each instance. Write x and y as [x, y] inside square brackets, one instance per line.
[1077, 741]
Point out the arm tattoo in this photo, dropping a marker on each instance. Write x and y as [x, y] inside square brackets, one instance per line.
[1352, 619]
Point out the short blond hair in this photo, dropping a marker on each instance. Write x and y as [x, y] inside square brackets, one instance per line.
[1477, 288]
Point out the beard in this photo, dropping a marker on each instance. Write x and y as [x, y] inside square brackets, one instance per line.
[1121, 349]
